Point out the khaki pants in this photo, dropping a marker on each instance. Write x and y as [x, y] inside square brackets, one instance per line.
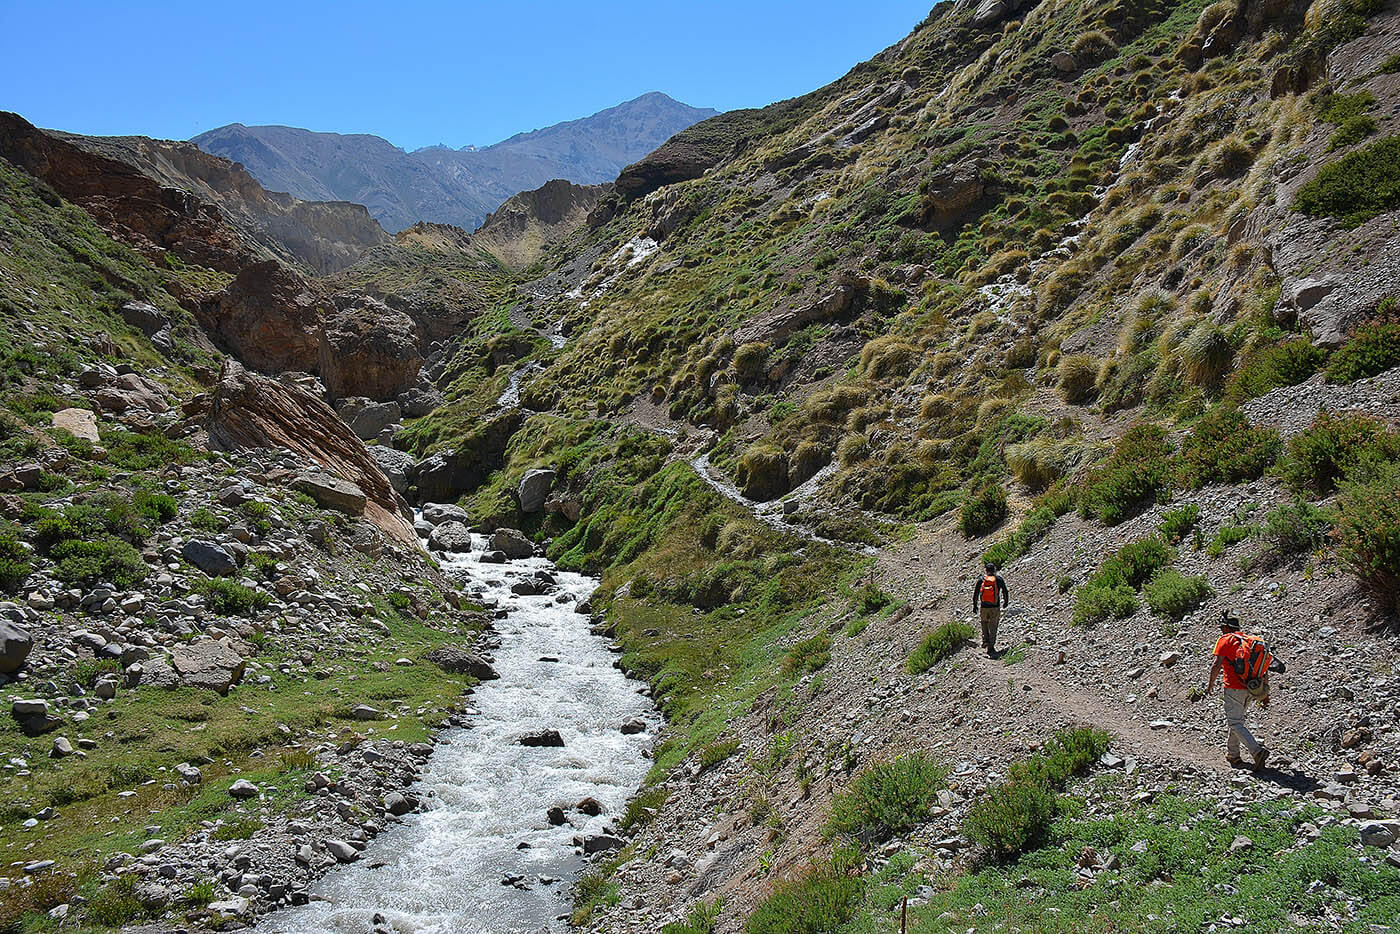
[991, 617]
[1236, 700]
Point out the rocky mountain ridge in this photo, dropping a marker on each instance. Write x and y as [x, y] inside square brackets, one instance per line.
[453, 186]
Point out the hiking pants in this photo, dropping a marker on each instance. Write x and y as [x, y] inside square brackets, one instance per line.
[991, 617]
[1236, 699]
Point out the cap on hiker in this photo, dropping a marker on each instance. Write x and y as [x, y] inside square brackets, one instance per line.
[991, 568]
[1229, 623]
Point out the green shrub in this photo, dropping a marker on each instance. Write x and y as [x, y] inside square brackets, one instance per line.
[1295, 529]
[206, 520]
[1137, 472]
[1368, 533]
[230, 598]
[109, 559]
[871, 599]
[136, 451]
[1336, 447]
[827, 896]
[1112, 591]
[87, 671]
[1352, 131]
[942, 643]
[1032, 529]
[808, 655]
[1224, 448]
[1079, 374]
[702, 919]
[716, 752]
[157, 507]
[198, 895]
[1227, 536]
[1177, 523]
[1276, 365]
[116, 904]
[1336, 109]
[1173, 594]
[983, 512]
[1096, 602]
[1011, 819]
[1357, 187]
[15, 565]
[888, 798]
[1373, 349]
[237, 828]
[1070, 752]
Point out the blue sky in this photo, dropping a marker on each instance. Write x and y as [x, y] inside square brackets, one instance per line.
[421, 72]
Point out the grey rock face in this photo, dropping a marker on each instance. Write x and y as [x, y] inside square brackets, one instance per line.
[211, 665]
[456, 660]
[367, 418]
[395, 465]
[438, 513]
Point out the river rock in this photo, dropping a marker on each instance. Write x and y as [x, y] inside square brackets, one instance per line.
[15, 646]
[602, 843]
[331, 492]
[209, 557]
[342, 851]
[512, 543]
[451, 536]
[457, 660]
[633, 726]
[534, 489]
[590, 806]
[542, 738]
[399, 804]
[438, 513]
[555, 816]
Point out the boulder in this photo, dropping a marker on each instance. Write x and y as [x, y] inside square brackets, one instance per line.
[15, 646]
[512, 543]
[367, 418]
[555, 816]
[451, 536]
[1064, 62]
[395, 464]
[437, 513]
[33, 716]
[366, 712]
[244, 789]
[211, 664]
[1317, 304]
[249, 411]
[633, 726]
[419, 401]
[549, 738]
[369, 349]
[62, 748]
[209, 557]
[131, 391]
[590, 806]
[331, 492]
[603, 843]
[342, 851]
[269, 317]
[80, 423]
[952, 191]
[399, 804]
[145, 317]
[189, 774]
[534, 489]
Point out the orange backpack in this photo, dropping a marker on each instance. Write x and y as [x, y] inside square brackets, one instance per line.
[1251, 663]
[989, 590]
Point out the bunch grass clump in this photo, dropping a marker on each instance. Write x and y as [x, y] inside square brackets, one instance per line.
[942, 643]
[888, 798]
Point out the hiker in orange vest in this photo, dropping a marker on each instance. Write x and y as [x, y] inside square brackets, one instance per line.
[989, 597]
[1228, 650]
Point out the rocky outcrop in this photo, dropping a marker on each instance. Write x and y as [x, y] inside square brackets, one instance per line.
[268, 317]
[331, 492]
[369, 350]
[779, 324]
[518, 231]
[534, 489]
[250, 411]
[444, 476]
[368, 418]
[951, 192]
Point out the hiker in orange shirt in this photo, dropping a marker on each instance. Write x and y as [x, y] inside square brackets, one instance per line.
[989, 598]
[1228, 650]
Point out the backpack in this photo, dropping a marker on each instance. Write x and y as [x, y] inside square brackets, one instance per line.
[988, 592]
[1252, 663]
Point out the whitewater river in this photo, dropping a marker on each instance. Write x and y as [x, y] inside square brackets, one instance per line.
[442, 871]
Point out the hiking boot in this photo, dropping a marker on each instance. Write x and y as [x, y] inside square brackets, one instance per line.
[1234, 761]
[1260, 756]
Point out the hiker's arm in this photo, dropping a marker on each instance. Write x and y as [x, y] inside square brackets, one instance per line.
[976, 596]
[1214, 673]
[1005, 594]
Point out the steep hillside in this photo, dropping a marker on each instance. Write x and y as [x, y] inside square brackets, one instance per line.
[518, 232]
[1041, 282]
[438, 184]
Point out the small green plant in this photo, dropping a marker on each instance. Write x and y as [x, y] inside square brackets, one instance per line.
[1295, 529]
[257, 513]
[702, 919]
[15, 565]
[808, 655]
[198, 895]
[237, 828]
[1172, 594]
[116, 904]
[888, 798]
[206, 520]
[1112, 591]
[1373, 349]
[230, 598]
[942, 643]
[643, 807]
[870, 599]
[716, 752]
[1229, 535]
[984, 511]
[109, 559]
[89, 670]
[1338, 446]
[1177, 523]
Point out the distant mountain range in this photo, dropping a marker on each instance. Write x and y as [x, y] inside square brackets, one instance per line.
[453, 186]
